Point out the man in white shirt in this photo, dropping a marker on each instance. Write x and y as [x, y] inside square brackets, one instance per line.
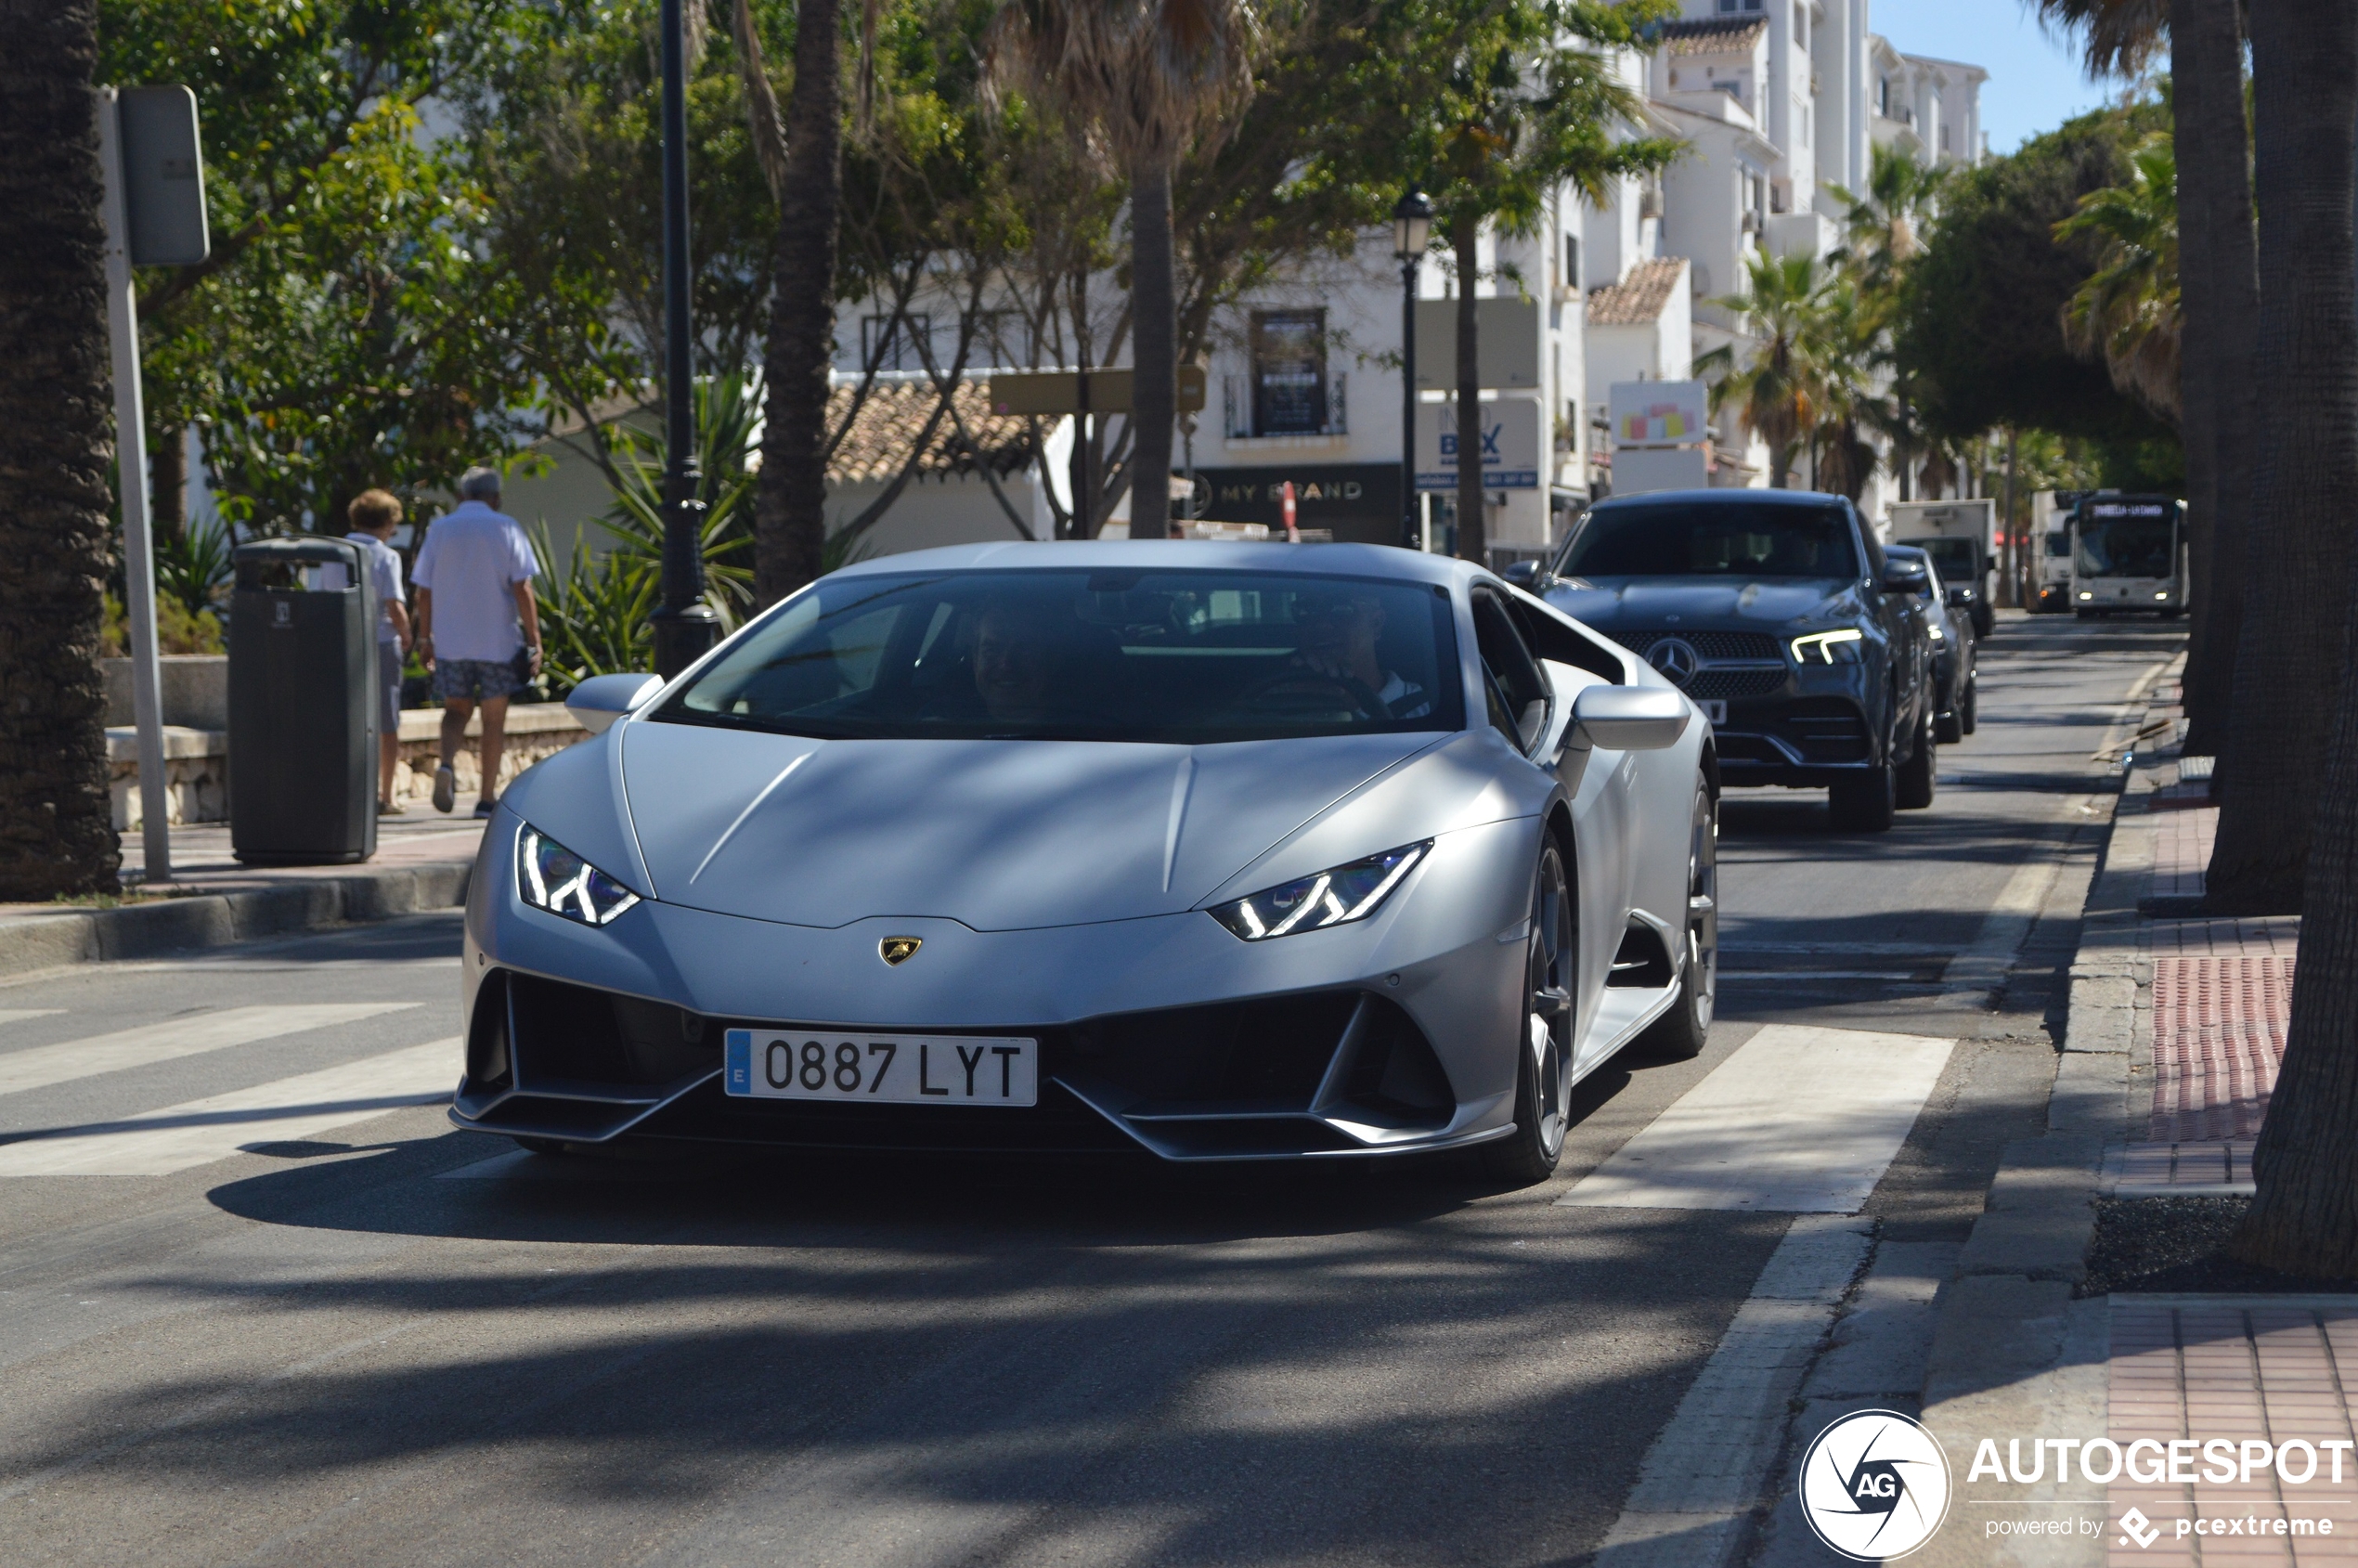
[478, 625]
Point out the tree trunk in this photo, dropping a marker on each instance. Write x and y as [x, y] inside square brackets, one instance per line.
[1473, 543]
[1154, 354]
[2297, 593]
[2219, 285]
[57, 833]
[790, 524]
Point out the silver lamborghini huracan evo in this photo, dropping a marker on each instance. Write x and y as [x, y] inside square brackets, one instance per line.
[1208, 852]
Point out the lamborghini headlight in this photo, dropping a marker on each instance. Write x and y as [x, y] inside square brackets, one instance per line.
[1331, 898]
[552, 878]
[1839, 646]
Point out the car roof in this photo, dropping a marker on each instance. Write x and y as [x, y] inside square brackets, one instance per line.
[1311, 559]
[1813, 499]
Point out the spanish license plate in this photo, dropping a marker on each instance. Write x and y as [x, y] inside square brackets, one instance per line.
[930, 1070]
[1714, 710]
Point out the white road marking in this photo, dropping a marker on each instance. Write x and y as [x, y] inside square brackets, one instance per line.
[1708, 1463]
[44, 1065]
[1984, 965]
[157, 1143]
[1798, 1120]
[12, 1015]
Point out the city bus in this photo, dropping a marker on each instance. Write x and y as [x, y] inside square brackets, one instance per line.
[2128, 554]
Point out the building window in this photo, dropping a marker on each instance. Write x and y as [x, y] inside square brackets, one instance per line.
[1572, 261]
[1288, 372]
[887, 344]
[1883, 97]
[1944, 138]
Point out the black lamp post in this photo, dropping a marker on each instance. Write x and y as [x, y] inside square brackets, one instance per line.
[1411, 232]
[685, 627]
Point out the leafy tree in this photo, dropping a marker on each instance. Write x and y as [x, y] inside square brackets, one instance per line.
[56, 833]
[1993, 263]
[344, 331]
[2127, 313]
[1508, 102]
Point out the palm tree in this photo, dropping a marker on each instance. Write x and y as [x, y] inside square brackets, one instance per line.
[56, 832]
[1148, 81]
[1883, 228]
[2304, 1214]
[1777, 390]
[806, 177]
[2128, 310]
[2219, 281]
[2297, 590]
[1848, 357]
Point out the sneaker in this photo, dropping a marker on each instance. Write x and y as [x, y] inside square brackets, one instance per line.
[483, 808]
[390, 808]
[445, 789]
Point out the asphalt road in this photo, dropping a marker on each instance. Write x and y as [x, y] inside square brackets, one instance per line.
[376, 1339]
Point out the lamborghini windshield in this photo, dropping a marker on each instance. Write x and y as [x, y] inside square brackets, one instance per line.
[1183, 658]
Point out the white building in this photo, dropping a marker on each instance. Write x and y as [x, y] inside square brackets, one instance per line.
[1778, 103]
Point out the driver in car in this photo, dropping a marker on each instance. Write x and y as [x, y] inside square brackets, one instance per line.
[1338, 641]
[1016, 664]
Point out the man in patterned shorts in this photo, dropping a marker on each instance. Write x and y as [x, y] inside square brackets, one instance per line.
[478, 625]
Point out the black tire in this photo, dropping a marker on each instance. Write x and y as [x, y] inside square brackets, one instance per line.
[1950, 728]
[1543, 1054]
[1679, 1034]
[1919, 776]
[1864, 802]
[1969, 710]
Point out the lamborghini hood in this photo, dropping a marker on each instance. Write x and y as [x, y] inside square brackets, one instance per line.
[997, 835]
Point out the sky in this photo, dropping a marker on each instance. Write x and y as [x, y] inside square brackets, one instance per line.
[2034, 82]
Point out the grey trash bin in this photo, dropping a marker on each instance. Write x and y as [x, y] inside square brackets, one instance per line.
[302, 705]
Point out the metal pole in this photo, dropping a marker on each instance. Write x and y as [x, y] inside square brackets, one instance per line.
[1411, 535]
[138, 546]
[685, 627]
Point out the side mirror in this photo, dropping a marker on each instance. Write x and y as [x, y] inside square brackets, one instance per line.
[1961, 595]
[1629, 717]
[1526, 575]
[602, 699]
[1989, 563]
[1903, 576]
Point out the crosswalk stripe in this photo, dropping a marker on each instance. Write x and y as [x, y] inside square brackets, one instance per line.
[43, 1065]
[13, 1015]
[1796, 1120]
[157, 1143]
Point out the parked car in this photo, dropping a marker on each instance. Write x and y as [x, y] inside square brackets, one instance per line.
[1214, 851]
[1946, 610]
[1780, 614]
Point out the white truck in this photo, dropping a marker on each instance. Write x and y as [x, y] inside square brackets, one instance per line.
[1962, 538]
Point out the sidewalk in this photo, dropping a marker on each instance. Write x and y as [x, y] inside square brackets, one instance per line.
[421, 862]
[2176, 1027]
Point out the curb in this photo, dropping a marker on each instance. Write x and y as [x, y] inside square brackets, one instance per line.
[146, 930]
[2013, 1355]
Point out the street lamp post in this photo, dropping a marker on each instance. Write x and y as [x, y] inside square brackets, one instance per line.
[684, 627]
[1411, 232]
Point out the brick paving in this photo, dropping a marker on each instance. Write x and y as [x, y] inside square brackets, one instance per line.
[2238, 1370]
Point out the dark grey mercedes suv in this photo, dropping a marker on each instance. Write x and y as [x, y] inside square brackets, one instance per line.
[1777, 612]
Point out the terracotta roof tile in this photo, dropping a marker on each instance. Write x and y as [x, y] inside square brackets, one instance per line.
[890, 421]
[1638, 298]
[1714, 35]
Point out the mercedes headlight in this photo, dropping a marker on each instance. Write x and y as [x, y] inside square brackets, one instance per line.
[1331, 898]
[1840, 646]
[552, 878]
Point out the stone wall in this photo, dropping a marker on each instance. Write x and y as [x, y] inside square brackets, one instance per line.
[197, 762]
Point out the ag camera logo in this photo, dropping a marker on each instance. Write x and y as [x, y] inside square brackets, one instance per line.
[1875, 1485]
